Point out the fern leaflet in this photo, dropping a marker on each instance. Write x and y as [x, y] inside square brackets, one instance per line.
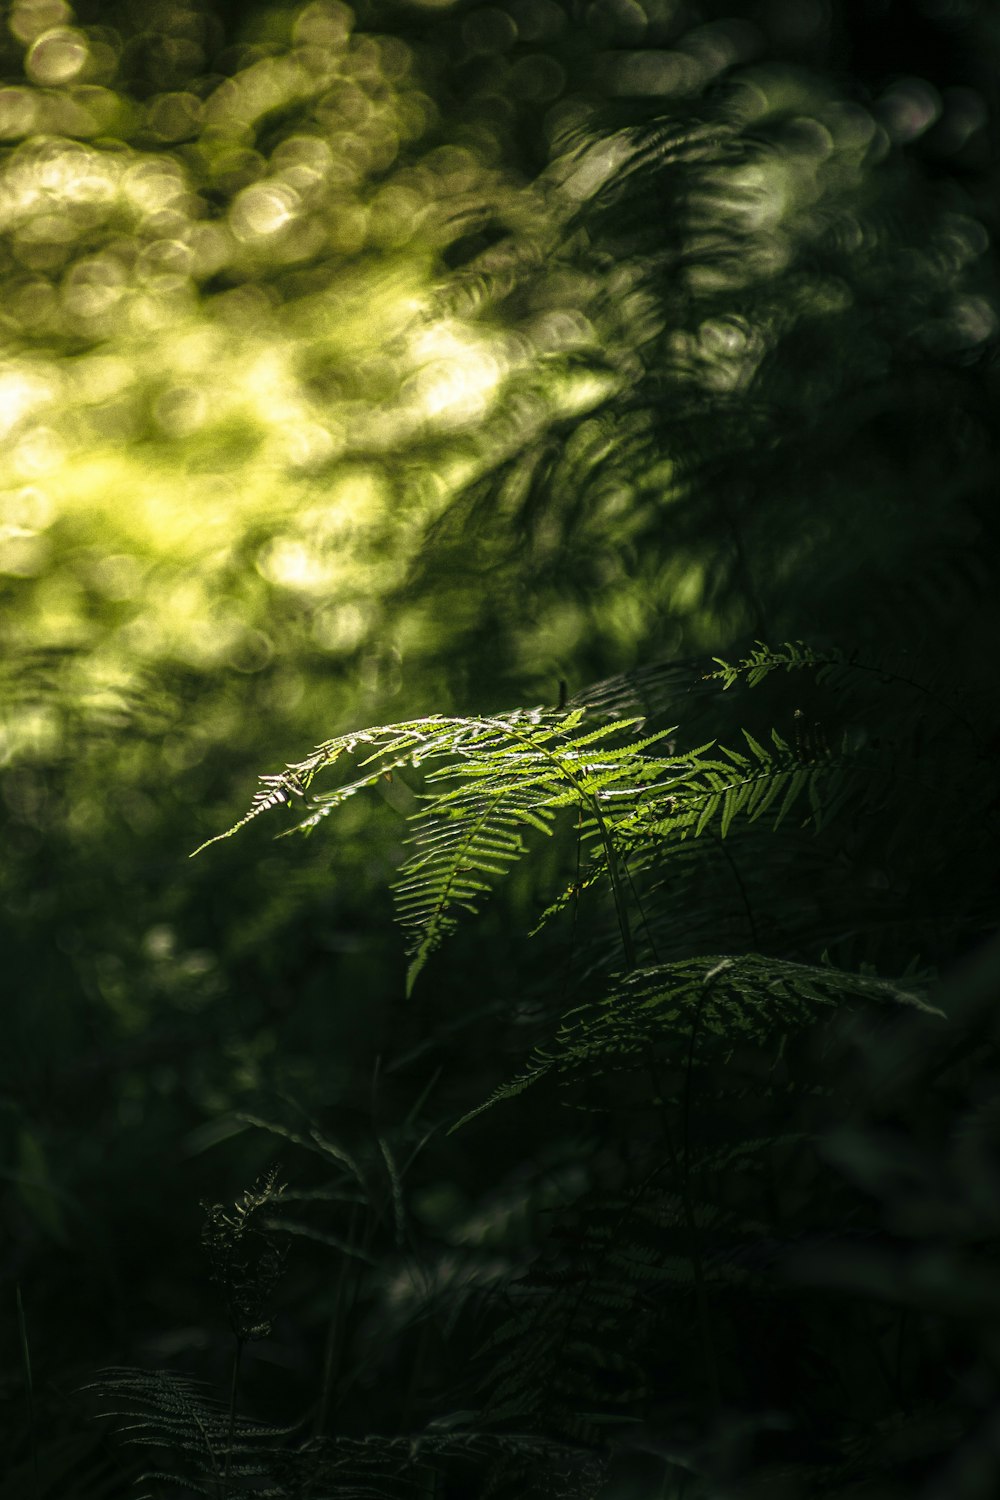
[691, 1004]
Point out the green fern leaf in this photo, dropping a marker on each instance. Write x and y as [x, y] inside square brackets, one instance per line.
[690, 1005]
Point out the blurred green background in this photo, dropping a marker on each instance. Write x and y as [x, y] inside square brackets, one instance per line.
[364, 362]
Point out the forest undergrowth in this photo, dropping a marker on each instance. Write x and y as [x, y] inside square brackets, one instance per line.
[755, 1261]
[584, 417]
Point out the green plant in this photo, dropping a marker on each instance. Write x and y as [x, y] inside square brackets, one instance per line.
[714, 1084]
[558, 338]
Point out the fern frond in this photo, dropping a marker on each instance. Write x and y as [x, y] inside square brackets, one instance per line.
[395, 745]
[764, 659]
[573, 1352]
[460, 840]
[691, 796]
[836, 669]
[161, 1409]
[493, 782]
[245, 1258]
[384, 1467]
[691, 1004]
[502, 777]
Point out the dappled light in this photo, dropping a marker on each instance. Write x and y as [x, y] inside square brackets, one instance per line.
[576, 420]
[304, 377]
[223, 319]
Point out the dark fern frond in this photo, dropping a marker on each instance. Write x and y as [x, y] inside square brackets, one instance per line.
[583, 1326]
[835, 669]
[315, 1141]
[161, 1409]
[246, 1259]
[669, 688]
[720, 1001]
[384, 1467]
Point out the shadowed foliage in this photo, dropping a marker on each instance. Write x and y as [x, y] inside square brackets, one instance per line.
[577, 421]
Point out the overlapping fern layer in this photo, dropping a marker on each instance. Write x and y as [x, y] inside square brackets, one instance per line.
[747, 1042]
[734, 1233]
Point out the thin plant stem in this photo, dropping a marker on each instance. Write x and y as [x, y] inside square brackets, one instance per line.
[333, 1334]
[29, 1390]
[416, 1372]
[617, 888]
[748, 909]
[231, 1433]
[680, 1172]
[590, 798]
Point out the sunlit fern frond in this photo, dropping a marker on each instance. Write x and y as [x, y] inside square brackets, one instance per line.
[517, 781]
[391, 746]
[713, 792]
[464, 838]
[856, 786]
[702, 794]
[504, 776]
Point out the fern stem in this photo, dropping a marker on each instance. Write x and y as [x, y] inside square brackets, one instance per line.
[644, 920]
[617, 889]
[231, 1432]
[333, 1335]
[575, 909]
[706, 990]
[329, 1355]
[416, 1375]
[680, 1173]
[29, 1390]
[884, 674]
[335, 1386]
[748, 909]
[901, 1329]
